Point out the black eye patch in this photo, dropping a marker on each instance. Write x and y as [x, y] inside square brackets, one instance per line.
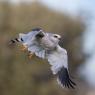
[56, 36]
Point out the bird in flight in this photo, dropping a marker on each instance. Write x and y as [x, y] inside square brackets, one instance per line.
[46, 46]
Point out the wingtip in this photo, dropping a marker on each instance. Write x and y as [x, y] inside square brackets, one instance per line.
[64, 79]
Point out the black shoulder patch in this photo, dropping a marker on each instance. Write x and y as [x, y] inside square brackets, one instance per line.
[64, 78]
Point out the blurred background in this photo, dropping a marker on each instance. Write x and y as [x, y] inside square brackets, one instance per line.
[74, 20]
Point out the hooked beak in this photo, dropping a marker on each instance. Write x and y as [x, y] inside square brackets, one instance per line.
[59, 38]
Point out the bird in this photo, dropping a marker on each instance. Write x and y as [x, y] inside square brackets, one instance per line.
[45, 45]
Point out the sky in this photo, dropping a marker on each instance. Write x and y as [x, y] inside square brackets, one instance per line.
[70, 6]
[61, 5]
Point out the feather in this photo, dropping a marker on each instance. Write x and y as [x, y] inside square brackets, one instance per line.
[64, 78]
[59, 66]
[57, 59]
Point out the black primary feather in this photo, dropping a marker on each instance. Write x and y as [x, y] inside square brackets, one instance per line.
[64, 78]
[16, 39]
[13, 41]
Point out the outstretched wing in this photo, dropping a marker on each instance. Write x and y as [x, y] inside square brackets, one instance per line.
[59, 66]
[32, 44]
[26, 39]
[37, 50]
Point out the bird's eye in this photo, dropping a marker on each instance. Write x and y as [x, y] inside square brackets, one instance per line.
[55, 36]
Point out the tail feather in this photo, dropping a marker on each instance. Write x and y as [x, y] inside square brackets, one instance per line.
[64, 79]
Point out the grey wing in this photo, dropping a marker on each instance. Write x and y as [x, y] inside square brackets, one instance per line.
[57, 59]
[39, 51]
[26, 38]
[32, 45]
[59, 66]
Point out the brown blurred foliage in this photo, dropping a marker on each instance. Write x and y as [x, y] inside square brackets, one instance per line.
[18, 76]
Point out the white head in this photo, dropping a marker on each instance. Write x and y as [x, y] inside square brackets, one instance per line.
[55, 38]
